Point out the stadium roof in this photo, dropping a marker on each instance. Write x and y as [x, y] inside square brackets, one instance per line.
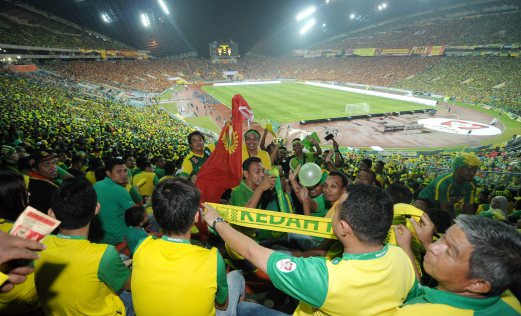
[263, 26]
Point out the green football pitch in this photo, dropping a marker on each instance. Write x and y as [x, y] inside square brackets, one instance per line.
[291, 102]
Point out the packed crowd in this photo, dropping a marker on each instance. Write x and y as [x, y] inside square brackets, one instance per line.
[35, 35]
[468, 30]
[53, 117]
[137, 212]
[487, 80]
[493, 81]
[153, 75]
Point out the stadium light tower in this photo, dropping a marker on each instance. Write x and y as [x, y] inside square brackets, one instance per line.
[145, 20]
[163, 6]
[306, 13]
[309, 24]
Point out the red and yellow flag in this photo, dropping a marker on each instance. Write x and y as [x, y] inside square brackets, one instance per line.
[223, 169]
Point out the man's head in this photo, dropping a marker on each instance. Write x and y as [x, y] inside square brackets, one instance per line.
[465, 166]
[116, 170]
[159, 161]
[251, 138]
[366, 176]
[74, 203]
[8, 155]
[196, 141]
[175, 203]
[136, 216]
[144, 164]
[379, 166]
[44, 164]
[253, 172]
[477, 255]
[170, 168]
[366, 164]
[334, 186]
[297, 146]
[367, 214]
[130, 162]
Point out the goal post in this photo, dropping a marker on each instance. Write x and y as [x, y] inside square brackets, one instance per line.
[357, 109]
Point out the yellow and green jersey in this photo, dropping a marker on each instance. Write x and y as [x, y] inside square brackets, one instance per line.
[436, 302]
[193, 162]
[375, 283]
[172, 277]
[444, 190]
[76, 277]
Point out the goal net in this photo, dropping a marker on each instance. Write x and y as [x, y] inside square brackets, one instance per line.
[357, 109]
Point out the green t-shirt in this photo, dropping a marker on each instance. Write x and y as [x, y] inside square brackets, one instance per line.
[114, 200]
[134, 236]
[435, 302]
[355, 280]
[444, 190]
[240, 195]
[323, 206]
[160, 172]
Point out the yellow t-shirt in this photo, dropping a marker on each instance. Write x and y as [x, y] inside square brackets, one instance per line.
[173, 278]
[22, 298]
[145, 182]
[263, 155]
[72, 277]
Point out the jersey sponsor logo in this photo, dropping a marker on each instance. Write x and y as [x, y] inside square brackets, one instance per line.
[286, 265]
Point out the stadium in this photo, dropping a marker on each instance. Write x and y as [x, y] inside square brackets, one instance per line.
[402, 95]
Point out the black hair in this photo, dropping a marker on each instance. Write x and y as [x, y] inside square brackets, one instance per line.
[175, 203]
[112, 162]
[345, 179]
[13, 195]
[400, 193]
[74, 203]
[170, 168]
[143, 162]
[441, 219]
[134, 215]
[246, 163]
[368, 162]
[369, 211]
[195, 133]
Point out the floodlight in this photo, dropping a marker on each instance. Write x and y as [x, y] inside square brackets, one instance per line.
[327, 1]
[384, 5]
[306, 13]
[18, 57]
[352, 16]
[380, 8]
[163, 6]
[145, 20]
[105, 17]
[309, 24]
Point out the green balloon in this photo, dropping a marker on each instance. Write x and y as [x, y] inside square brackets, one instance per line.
[310, 174]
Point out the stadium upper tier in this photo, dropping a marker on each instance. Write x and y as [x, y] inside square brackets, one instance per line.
[490, 80]
[38, 36]
[468, 30]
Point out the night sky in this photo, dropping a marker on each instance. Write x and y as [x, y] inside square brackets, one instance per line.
[192, 24]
